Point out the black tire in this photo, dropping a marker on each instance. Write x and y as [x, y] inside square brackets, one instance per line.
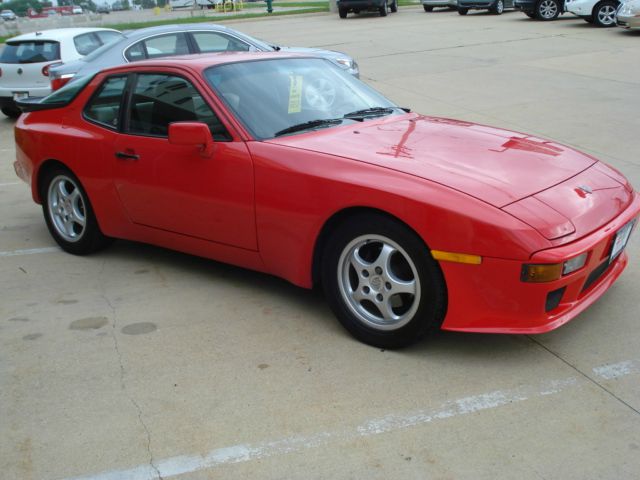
[86, 239]
[394, 6]
[497, 8]
[604, 14]
[588, 19]
[11, 112]
[361, 238]
[427, 8]
[342, 12]
[463, 11]
[548, 10]
[383, 9]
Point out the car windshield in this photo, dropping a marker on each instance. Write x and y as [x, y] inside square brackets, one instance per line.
[285, 96]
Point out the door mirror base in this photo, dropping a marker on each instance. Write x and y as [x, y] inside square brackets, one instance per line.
[192, 133]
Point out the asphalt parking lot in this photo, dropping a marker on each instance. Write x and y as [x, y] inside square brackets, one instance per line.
[142, 363]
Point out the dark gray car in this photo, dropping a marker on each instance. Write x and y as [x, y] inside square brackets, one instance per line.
[168, 40]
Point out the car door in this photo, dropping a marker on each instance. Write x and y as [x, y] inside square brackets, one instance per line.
[173, 187]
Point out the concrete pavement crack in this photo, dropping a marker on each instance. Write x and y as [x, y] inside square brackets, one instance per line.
[590, 379]
[123, 386]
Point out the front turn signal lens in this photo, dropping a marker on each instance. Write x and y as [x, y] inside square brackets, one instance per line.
[576, 263]
[541, 273]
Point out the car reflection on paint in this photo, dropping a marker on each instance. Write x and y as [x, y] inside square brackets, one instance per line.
[288, 165]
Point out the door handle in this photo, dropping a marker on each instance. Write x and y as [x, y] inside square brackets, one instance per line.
[127, 156]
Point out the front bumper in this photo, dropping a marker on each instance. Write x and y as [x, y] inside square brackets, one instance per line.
[491, 298]
[476, 4]
[628, 21]
[527, 6]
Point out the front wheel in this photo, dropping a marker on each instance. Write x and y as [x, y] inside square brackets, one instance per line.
[463, 11]
[382, 282]
[383, 9]
[604, 14]
[427, 8]
[497, 8]
[68, 213]
[547, 10]
[342, 12]
[394, 6]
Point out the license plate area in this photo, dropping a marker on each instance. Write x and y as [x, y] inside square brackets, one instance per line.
[620, 240]
[20, 95]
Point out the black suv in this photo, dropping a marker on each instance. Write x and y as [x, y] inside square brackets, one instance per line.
[540, 9]
[357, 6]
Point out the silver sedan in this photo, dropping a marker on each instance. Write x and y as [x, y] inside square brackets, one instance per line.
[169, 40]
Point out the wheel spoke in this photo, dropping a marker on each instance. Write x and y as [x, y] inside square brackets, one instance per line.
[358, 263]
[398, 286]
[384, 259]
[62, 191]
[386, 310]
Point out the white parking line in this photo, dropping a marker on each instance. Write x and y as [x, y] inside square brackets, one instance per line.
[10, 183]
[184, 464]
[29, 251]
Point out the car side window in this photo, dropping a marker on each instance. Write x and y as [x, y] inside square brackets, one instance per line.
[104, 106]
[86, 43]
[218, 42]
[167, 45]
[136, 52]
[159, 100]
[106, 36]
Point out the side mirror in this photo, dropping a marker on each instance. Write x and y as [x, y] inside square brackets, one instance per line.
[192, 133]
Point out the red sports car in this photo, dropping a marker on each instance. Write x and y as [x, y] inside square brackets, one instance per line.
[288, 165]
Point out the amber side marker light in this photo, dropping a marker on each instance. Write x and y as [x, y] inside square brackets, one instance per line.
[538, 273]
[456, 257]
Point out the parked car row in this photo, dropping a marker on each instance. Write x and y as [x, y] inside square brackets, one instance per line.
[35, 64]
[599, 12]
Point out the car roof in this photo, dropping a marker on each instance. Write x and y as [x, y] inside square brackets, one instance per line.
[57, 34]
[199, 61]
[145, 32]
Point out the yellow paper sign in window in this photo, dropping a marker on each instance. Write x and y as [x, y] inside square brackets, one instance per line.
[295, 94]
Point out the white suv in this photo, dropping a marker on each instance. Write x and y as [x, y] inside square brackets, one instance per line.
[599, 12]
[26, 59]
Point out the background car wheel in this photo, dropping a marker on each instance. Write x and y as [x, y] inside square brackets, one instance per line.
[497, 8]
[394, 6]
[530, 15]
[342, 12]
[381, 282]
[463, 11]
[11, 112]
[547, 10]
[427, 8]
[604, 14]
[383, 9]
[68, 213]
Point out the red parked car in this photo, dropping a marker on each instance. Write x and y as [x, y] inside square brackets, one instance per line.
[290, 166]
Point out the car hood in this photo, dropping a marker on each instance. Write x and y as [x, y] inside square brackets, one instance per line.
[497, 166]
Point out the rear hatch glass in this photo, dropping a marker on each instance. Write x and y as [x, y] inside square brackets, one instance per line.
[30, 51]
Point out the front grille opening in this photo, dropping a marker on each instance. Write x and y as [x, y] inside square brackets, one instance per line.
[553, 299]
[595, 275]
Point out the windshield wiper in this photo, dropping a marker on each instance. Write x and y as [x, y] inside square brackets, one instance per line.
[369, 112]
[322, 122]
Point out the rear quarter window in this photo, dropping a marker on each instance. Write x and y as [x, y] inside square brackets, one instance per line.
[30, 51]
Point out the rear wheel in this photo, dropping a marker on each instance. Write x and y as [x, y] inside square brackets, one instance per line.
[394, 6]
[383, 9]
[342, 12]
[381, 282]
[68, 213]
[604, 14]
[463, 11]
[547, 10]
[497, 8]
[11, 112]
[427, 8]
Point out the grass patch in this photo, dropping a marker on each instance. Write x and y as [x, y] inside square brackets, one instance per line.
[220, 19]
[4, 39]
